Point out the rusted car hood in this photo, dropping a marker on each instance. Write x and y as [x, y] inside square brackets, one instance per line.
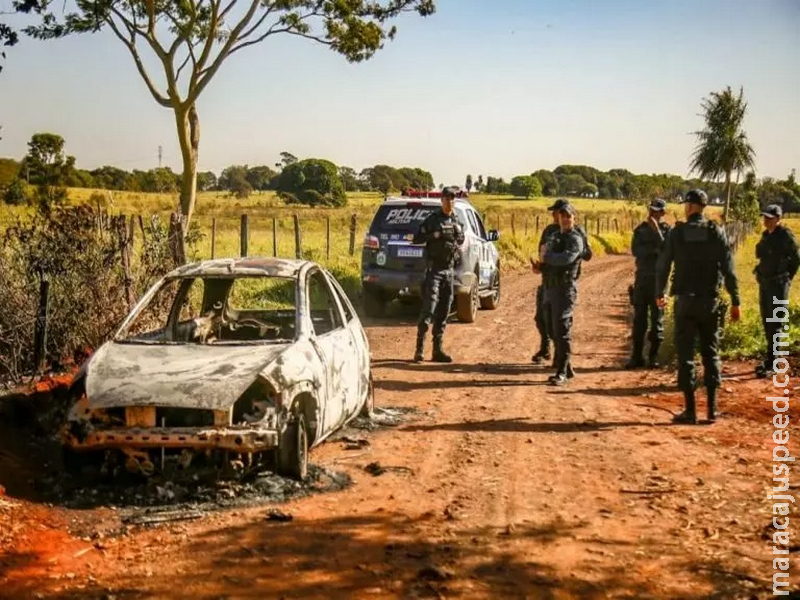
[194, 376]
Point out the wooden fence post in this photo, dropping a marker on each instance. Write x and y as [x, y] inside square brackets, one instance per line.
[352, 234]
[526, 227]
[597, 225]
[244, 235]
[327, 238]
[298, 251]
[125, 237]
[213, 238]
[537, 223]
[274, 237]
[513, 226]
[40, 330]
[177, 227]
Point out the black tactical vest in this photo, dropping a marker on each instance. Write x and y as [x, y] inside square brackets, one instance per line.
[698, 248]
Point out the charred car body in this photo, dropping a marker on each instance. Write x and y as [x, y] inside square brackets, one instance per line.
[393, 267]
[263, 358]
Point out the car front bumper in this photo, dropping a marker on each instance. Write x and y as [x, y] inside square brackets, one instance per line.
[246, 439]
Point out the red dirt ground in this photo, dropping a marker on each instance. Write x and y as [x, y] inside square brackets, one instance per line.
[515, 489]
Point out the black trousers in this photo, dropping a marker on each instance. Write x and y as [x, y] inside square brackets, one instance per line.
[645, 310]
[437, 298]
[542, 320]
[768, 291]
[561, 298]
[696, 319]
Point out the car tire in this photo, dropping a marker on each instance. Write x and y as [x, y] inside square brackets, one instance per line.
[492, 301]
[467, 304]
[368, 408]
[374, 303]
[292, 453]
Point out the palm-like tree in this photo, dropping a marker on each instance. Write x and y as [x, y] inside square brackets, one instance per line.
[723, 148]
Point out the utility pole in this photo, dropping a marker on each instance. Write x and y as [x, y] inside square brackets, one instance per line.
[159, 157]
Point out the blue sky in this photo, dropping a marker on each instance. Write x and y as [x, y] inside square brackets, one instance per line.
[501, 87]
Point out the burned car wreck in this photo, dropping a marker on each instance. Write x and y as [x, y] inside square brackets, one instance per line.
[255, 358]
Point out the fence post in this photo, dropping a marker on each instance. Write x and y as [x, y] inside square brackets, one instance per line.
[244, 235]
[526, 227]
[616, 225]
[40, 330]
[597, 225]
[298, 252]
[352, 234]
[513, 225]
[328, 238]
[274, 237]
[537, 223]
[125, 236]
[213, 238]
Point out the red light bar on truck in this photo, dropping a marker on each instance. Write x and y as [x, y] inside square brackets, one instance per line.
[411, 193]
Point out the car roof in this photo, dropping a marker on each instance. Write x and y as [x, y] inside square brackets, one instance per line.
[248, 266]
[403, 200]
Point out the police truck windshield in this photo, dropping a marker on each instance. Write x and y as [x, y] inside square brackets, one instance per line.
[401, 218]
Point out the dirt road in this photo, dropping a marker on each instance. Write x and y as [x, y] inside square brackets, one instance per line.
[498, 487]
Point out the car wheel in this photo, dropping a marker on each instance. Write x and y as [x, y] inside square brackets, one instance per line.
[492, 301]
[368, 408]
[292, 456]
[374, 303]
[467, 304]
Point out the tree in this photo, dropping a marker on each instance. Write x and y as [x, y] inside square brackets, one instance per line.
[9, 171]
[206, 181]
[723, 148]
[234, 179]
[312, 181]
[112, 178]
[479, 184]
[468, 183]
[526, 185]
[191, 39]
[350, 180]
[287, 158]
[260, 178]
[47, 166]
[8, 35]
[549, 182]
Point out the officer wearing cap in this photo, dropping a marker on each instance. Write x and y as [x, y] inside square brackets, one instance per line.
[778, 261]
[543, 316]
[442, 235]
[702, 258]
[560, 264]
[649, 238]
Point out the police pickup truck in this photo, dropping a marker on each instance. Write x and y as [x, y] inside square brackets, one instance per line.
[392, 267]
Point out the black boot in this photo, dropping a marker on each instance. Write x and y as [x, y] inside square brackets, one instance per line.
[439, 354]
[652, 360]
[636, 360]
[542, 355]
[419, 355]
[689, 415]
[712, 404]
[570, 371]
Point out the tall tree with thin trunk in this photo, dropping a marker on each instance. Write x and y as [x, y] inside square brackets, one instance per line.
[191, 39]
[722, 146]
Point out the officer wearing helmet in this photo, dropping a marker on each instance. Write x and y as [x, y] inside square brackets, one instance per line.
[442, 235]
[649, 238]
[702, 260]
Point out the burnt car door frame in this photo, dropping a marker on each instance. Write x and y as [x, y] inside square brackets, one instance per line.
[332, 349]
[357, 361]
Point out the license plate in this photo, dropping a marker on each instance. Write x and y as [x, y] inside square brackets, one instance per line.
[409, 252]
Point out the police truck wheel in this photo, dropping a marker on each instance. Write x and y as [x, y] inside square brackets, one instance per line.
[467, 304]
[374, 303]
[492, 301]
[292, 453]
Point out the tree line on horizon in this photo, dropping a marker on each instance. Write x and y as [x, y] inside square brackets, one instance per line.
[42, 175]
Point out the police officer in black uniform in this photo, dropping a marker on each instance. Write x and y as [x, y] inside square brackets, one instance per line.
[542, 318]
[442, 235]
[648, 240]
[702, 258]
[778, 261]
[560, 265]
